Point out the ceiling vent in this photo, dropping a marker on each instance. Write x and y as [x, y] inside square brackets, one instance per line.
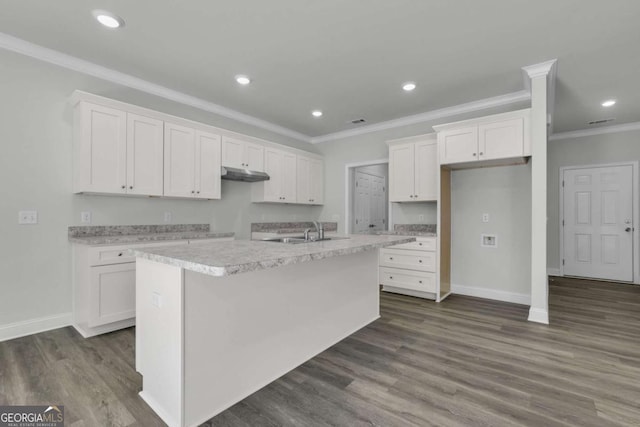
[357, 121]
[599, 122]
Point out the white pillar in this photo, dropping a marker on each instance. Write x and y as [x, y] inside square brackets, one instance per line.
[539, 75]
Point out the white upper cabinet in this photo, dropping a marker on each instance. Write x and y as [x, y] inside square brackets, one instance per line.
[237, 153]
[117, 152]
[145, 152]
[310, 181]
[281, 167]
[100, 163]
[413, 168]
[497, 139]
[191, 163]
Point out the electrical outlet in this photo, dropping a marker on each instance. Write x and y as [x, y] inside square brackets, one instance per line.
[156, 300]
[421, 218]
[167, 217]
[85, 217]
[485, 217]
[28, 217]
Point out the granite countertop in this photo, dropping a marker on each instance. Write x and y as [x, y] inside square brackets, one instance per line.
[406, 233]
[418, 230]
[290, 227]
[242, 256]
[122, 234]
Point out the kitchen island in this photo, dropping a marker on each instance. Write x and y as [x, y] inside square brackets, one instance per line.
[218, 321]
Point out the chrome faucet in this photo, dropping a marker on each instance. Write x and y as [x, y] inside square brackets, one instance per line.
[306, 234]
[319, 229]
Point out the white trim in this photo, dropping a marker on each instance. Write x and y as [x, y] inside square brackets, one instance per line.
[347, 190]
[483, 104]
[540, 69]
[626, 127]
[34, 326]
[55, 57]
[554, 272]
[635, 184]
[493, 294]
[539, 316]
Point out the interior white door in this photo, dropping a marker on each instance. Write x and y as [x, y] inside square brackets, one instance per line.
[369, 203]
[598, 222]
[362, 202]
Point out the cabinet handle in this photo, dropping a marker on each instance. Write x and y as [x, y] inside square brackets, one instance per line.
[120, 254]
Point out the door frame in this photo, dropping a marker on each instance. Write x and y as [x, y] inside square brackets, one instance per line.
[635, 188]
[347, 191]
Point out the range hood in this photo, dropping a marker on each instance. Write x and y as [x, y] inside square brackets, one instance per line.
[245, 175]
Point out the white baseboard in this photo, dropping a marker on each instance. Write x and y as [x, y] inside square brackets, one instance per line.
[553, 272]
[34, 326]
[538, 315]
[474, 291]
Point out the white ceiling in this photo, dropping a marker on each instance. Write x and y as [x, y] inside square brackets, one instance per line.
[349, 58]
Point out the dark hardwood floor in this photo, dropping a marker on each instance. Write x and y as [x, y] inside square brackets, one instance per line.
[464, 362]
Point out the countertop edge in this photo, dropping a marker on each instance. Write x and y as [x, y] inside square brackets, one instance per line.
[147, 238]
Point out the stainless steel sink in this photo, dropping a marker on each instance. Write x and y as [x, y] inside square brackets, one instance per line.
[300, 239]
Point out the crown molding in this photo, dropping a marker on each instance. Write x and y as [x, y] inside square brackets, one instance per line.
[541, 69]
[55, 57]
[483, 104]
[626, 127]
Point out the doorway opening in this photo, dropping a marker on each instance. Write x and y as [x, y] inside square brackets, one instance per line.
[367, 206]
[598, 222]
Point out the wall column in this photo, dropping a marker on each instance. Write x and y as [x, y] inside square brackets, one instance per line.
[540, 100]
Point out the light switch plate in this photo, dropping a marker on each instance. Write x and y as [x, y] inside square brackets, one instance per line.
[156, 300]
[167, 217]
[485, 217]
[85, 217]
[28, 217]
[421, 217]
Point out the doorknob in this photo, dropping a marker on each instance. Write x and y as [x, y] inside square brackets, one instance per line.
[628, 229]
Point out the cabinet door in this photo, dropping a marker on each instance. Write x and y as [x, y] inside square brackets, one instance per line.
[316, 181]
[179, 161]
[289, 177]
[207, 172]
[426, 170]
[303, 191]
[254, 157]
[401, 173]
[501, 139]
[112, 293]
[273, 167]
[102, 160]
[145, 154]
[233, 152]
[458, 145]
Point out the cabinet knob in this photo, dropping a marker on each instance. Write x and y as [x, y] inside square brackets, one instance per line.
[415, 195]
[474, 154]
[192, 191]
[197, 192]
[124, 186]
[390, 258]
[420, 281]
[420, 261]
[390, 277]
[120, 254]
[131, 187]
[481, 153]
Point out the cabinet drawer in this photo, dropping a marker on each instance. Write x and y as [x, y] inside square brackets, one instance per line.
[112, 293]
[106, 255]
[413, 260]
[421, 244]
[407, 279]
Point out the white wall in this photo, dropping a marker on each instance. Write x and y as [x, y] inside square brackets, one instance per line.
[584, 151]
[35, 173]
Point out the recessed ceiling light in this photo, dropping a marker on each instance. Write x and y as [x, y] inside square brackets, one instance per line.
[408, 86]
[108, 19]
[243, 80]
[609, 103]
[316, 113]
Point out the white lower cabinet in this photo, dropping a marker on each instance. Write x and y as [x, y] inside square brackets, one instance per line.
[410, 268]
[104, 294]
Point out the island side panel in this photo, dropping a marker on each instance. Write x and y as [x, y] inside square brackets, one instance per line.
[244, 331]
[159, 338]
